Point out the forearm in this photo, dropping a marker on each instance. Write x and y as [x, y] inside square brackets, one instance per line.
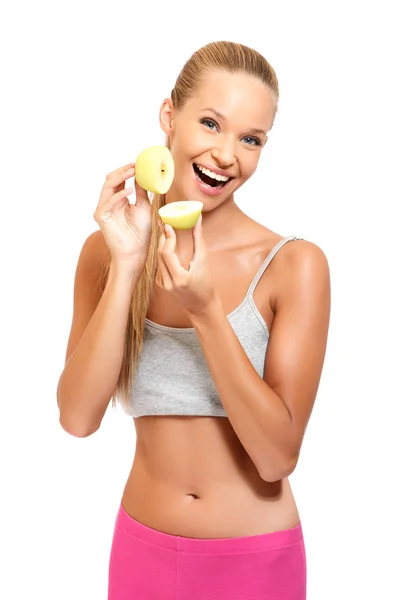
[256, 413]
[90, 376]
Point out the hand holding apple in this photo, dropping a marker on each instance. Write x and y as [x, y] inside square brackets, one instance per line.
[192, 288]
[127, 227]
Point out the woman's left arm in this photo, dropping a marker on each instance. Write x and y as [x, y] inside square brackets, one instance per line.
[270, 415]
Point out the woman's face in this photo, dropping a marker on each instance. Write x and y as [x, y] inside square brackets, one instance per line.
[216, 138]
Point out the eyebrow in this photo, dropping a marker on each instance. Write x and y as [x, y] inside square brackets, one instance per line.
[223, 118]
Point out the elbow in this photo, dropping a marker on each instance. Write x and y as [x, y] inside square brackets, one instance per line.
[73, 422]
[77, 428]
[272, 473]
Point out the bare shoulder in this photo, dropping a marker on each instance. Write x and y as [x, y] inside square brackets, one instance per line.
[303, 255]
[303, 267]
[298, 259]
[306, 259]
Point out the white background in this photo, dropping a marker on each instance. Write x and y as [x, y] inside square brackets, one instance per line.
[82, 83]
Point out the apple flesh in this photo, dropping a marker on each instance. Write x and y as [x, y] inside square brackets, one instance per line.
[155, 169]
[181, 215]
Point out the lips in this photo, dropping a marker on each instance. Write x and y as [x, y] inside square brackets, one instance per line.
[211, 184]
[210, 177]
[214, 170]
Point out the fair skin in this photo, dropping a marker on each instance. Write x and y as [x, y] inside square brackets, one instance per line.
[238, 467]
[270, 415]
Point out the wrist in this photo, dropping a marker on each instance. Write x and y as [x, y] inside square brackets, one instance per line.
[210, 312]
[127, 269]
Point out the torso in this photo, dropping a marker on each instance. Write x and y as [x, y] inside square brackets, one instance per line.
[191, 476]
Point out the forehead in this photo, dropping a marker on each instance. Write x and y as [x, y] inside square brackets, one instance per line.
[237, 96]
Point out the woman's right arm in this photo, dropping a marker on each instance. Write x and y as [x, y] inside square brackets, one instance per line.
[96, 341]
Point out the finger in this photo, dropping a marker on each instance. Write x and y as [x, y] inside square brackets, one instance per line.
[142, 197]
[158, 277]
[198, 245]
[164, 276]
[125, 167]
[161, 241]
[120, 170]
[168, 253]
[115, 181]
[117, 201]
[170, 239]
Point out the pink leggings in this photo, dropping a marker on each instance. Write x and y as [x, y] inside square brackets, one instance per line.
[146, 564]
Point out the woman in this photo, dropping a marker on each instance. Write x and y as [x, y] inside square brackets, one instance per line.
[213, 340]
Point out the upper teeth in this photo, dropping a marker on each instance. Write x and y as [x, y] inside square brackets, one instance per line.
[212, 174]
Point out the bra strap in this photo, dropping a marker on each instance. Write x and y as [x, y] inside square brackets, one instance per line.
[266, 262]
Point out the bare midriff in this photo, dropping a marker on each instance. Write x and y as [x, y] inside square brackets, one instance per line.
[192, 477]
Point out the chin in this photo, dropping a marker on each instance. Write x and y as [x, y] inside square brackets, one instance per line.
[212, 198]
[211, 204]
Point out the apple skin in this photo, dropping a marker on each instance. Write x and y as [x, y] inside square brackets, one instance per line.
[181, 215]
[155, 169]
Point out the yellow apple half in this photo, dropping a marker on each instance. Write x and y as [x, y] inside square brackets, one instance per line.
[181, 215]
[155, 169]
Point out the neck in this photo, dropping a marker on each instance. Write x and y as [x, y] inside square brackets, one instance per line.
[220, 226]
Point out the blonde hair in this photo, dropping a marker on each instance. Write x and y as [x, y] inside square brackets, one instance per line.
[216, 56]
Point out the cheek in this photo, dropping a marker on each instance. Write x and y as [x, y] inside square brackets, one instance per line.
[191, 140]
[248, 163]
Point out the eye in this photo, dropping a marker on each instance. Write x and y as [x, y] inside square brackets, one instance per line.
[253, 141]
[209, 123]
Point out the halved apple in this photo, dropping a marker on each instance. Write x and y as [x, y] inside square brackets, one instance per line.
[155, 169]
[181, 215]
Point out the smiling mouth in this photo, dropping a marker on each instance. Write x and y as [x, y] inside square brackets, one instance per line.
[209, 178]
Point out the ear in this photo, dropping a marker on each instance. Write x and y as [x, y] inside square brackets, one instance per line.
[166, 116]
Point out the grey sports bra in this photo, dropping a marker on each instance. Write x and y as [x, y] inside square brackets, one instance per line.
[172, 376]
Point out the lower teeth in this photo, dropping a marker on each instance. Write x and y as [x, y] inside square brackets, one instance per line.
[218, 185]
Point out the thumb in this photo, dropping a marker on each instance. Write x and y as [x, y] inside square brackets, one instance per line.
[198, 238]
[142, 196]
[170, 238]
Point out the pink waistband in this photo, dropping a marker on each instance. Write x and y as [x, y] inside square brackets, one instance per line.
[208, 545]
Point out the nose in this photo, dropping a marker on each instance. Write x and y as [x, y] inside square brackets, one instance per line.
[224, 152]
